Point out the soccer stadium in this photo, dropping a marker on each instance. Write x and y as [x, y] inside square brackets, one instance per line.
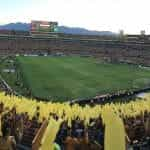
[73, 92]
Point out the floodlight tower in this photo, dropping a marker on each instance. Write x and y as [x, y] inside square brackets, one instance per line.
[142, 32]
[121, 35]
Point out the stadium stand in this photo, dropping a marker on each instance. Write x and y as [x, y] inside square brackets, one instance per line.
[136, 52]
[23, 127]
[25, 130]
[28, 132]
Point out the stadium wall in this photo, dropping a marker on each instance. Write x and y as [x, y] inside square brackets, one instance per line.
[115, 51]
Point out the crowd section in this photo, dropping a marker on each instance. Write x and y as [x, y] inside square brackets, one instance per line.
[112, 51]
[81, 137]
[119, 126]
[14, 128]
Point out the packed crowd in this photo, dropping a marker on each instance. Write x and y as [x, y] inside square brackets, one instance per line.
[138, 131]
[76, 137]
[14, 126]
[81, 127]
[80, 137]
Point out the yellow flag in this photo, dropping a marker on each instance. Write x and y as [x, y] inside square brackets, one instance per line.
[50, 135]
[114, 131]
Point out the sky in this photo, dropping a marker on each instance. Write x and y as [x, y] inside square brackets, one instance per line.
[132, 16]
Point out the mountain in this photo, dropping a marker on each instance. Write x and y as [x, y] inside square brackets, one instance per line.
[16, 26]
[82, 31]
[63, 29]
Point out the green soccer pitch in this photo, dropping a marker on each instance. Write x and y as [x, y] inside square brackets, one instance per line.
[66, 78]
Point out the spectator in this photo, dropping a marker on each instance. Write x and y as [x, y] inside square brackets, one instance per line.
[7, 142]
[70, 142]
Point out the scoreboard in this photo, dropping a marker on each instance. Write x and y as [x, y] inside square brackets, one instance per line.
[43, 27]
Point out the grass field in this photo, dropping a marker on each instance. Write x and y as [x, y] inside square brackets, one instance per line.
[65, 78]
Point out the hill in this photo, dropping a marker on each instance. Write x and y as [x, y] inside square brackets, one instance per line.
[63, 29]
